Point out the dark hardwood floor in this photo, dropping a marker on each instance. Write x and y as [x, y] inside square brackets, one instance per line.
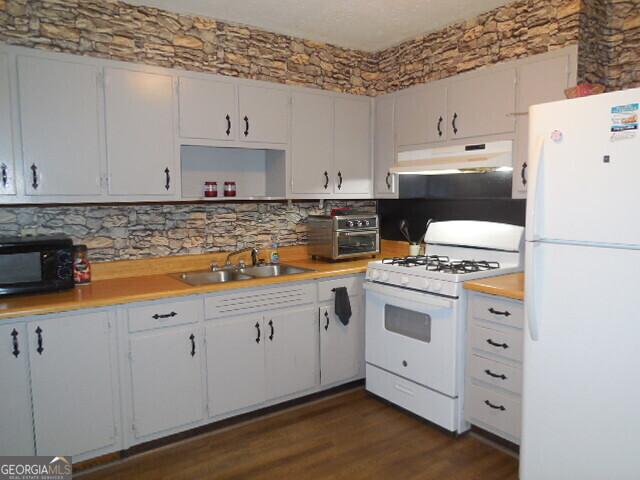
[351, 435]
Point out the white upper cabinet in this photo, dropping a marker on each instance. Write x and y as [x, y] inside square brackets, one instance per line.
[16, 434]
[538, 82]
[311, 143]
[384, 148]
[60, 125]
[421, 115]
[263, 115]
[7, 169]
[141, 153]
[73, 383]
[207, 109]
[352, 146]
[481, 104]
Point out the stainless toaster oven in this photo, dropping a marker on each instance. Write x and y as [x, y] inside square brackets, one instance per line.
[344, 236]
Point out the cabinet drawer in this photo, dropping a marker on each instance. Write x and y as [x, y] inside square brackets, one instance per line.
[507, 344]
[353, 284]
[496, 373]
[494, 410]
[415, 398]
[496, 309]
[168, 314]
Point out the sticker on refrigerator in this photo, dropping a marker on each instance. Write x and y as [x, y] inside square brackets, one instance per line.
[624, 122]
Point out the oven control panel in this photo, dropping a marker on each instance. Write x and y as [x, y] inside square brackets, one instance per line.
[414, 282]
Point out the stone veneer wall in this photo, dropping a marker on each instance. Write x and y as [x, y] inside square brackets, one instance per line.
[114, 232]
[622, 40]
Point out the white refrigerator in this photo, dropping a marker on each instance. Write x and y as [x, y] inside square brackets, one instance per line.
[581, 368]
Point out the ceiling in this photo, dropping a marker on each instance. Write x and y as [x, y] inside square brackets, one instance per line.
[368, 25]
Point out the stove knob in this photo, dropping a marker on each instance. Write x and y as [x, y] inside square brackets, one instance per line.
[366, 223]
[436, 286]
[404, 280]
[357, 223]
[349, 224]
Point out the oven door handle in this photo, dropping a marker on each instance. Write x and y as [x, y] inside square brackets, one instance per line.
[358, 233]
[409, 295]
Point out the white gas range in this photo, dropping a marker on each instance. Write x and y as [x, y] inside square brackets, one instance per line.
[415, 315]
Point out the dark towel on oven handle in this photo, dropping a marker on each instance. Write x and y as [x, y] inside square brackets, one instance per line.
[342, 304]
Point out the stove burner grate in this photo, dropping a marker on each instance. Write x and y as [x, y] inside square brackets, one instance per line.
[416, 261]
[463, 266]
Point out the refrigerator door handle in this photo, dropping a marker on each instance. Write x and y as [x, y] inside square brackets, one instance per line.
[534, 200]
[530, 293]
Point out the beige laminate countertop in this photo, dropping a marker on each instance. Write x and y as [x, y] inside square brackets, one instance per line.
[101, 293]
[510, 286]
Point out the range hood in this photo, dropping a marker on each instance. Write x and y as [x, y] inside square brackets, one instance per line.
[472, 158]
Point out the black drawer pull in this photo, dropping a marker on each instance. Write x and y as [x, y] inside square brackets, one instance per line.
[5, 177]
[167, 174]
[440, 126]
[506, 313]
[326, 325]
[339, 180]
[495, 407]
[164, 315]
[272, 330]
[16, 350]
[495, 375]
[453, 124]
[326, 180]
[246, 126]
[258, 328]
[228, 130]
[40, 348]
[34, 176]
[523, 173]
[387, 180]
[192, 337]
[501, 345]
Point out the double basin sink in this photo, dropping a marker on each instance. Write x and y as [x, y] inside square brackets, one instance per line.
[237, 274]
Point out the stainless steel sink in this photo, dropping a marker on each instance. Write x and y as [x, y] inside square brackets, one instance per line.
[206, 277]
[261, 271]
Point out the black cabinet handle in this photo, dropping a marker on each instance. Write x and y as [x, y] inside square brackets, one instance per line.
[167, 184]
[16, 350]
[272, 330]
[228, 130]
[258, 328]
[4, 175]
[192, 337]
[339, 180]
[164, 315]
[326, 316]
[40, 348]
[501, 345]
[440, 119]
[34, 176]
[506, 313]
[246, 126]
[453, 123]
[387, 180]
[523, 173]
[326, 180]
[495, 375]
[495, 407]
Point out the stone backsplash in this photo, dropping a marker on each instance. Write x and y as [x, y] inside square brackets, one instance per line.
[115, 232]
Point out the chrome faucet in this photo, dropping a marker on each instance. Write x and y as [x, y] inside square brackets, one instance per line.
[254, 255]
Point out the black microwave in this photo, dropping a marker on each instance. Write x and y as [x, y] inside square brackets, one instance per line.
[34, 264]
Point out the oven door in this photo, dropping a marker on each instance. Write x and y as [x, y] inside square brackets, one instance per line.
[414, 335]
[356, 243]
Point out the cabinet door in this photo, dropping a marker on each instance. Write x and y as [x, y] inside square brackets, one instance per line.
[140, 133]
[311, 143]
[538, 82]
[421, 115]
[482, 104]
[7, 170]
[352, 145]
[166, 376]
[72, 383]
[235, 363]
[16, 422]
[341, 346]
[207, 109]
[264, 115]
[291, 351]
[384, 148]
[59, 117]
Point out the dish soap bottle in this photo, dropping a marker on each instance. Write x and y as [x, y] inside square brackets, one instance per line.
[275, 256]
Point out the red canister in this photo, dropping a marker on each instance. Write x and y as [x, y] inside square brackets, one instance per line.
[81, 265]
[210, 189]
[229, 189]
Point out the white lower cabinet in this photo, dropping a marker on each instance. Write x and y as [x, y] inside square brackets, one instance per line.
[166, 374]
[74, 384]
[235, 363]
[16, 434]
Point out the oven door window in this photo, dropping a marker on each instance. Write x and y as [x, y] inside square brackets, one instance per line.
[350, 243]
[408, 323]
[20, 268]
